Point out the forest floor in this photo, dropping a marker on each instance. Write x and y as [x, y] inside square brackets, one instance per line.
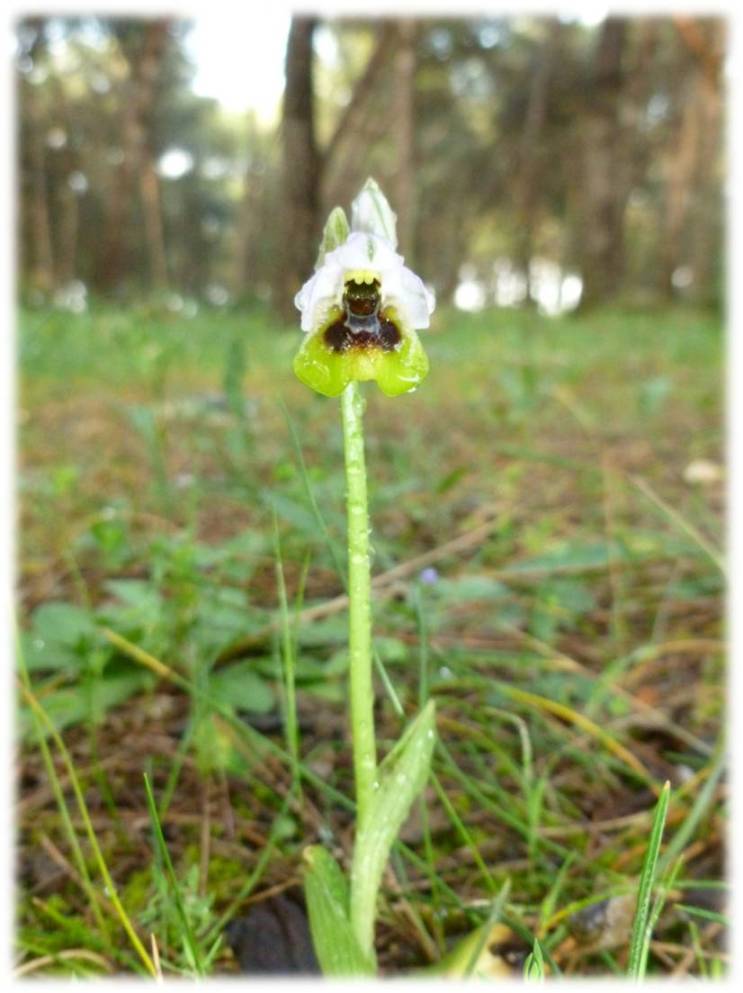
[548, 551]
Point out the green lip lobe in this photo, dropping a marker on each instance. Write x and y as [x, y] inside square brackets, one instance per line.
[360, 343]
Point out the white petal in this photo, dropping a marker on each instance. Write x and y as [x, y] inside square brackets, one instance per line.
[419, 300]
[407, 293]
[367, 253]
[319, 294]
[302, 298]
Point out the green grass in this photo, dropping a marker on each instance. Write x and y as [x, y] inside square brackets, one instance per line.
[572, 638]
[642, 925]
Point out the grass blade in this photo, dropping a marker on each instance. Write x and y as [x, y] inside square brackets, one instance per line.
[641, 928]
[189, 938]
[288, 660]
[64, 813]
[495, 912]
[534, 965]
[111, 890]
[698, 810]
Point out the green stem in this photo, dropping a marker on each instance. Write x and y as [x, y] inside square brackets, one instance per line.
[359, 591]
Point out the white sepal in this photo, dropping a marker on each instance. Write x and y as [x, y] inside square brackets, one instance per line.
[372, 214]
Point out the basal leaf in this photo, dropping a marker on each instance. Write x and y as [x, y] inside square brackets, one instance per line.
[61, 638]
[241, 687]
[402, 776]
[326, 893]
[70, 706]
[63, 622]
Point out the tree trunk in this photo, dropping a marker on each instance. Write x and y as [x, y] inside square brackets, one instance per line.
[42, 271]
[681, 170]
[692, 179]
[709, 242]
[67, 238]
[247, 231]
[141, 91]
[149, 187]
[605, 186]
[300, 169]
[403, 189]
[527, 192]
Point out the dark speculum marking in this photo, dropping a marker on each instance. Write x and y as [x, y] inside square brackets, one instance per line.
[337, 337]
[389, 334]
[362, 326]
[341, 338]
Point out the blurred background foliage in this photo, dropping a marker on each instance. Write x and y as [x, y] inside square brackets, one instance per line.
[530, 159]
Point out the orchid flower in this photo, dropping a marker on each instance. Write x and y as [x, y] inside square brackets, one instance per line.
[360, 312]
[362, 307]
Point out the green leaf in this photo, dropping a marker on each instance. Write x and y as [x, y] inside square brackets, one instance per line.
[401, 777]
[571, 555]
[63, 622]
[450, 480]
[234, 372]
[321, 634]
[68, 707]
[467, 588]
[326, 893]
[215, 749]
[293, 511]
[471, 956]
[239, 686]
[61, 636]
[391, 650]
[138, 600]
[653, 394]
